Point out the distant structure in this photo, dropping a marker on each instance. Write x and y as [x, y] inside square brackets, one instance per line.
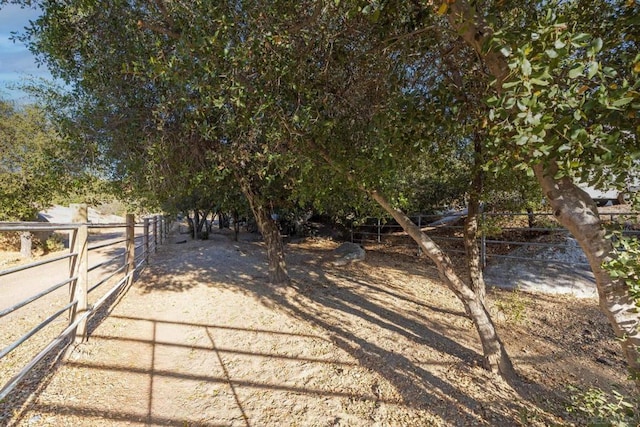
[610, 197]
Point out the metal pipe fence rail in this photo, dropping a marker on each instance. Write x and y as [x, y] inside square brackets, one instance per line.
[445, 231]
[118, 256]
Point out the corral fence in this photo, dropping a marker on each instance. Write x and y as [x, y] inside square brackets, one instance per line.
[48, 303]
[502, 235]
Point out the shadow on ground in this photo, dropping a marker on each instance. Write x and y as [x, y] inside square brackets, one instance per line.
[409, 332]
[356, 303]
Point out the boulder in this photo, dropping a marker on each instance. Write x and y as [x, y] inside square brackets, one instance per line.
[347, 253]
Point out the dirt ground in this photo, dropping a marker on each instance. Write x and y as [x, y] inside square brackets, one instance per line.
[203, 340]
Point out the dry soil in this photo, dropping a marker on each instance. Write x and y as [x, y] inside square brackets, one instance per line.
[202, 339]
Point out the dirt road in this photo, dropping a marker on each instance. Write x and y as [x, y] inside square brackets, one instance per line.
[202, 340]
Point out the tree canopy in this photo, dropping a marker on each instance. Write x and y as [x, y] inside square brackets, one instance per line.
[316, 102]
[35, 163]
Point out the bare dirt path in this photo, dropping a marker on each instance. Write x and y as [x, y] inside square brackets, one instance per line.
[202, 340]
[22, 285]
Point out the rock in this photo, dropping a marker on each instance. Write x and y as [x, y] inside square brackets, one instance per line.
[347, 253]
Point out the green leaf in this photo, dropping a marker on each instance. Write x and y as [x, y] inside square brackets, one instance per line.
[526, 68]
[559, 44]
[580, 37]
[620, 102]
[521, 105]
[578, 133]
[577, 115]
[593, 69]
[539, 82]
[522, 166]
[509, 103]
[506, 51]
[375, 16]
[545, 149]
[576, 72]
[551, 53]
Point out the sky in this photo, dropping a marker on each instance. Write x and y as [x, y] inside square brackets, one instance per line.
[16, 62]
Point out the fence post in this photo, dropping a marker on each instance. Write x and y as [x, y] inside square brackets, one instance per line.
[379, 237]
[165, 228]
[155, 234]
[80, 269]
[145, 241]
[160, 229]
[131, 248]
[351, 229]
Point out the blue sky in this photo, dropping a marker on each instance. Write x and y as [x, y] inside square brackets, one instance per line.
[16, 62]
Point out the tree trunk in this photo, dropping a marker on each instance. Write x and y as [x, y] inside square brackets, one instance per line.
[576, 211]
[496, 357]
[464, 19]
[200, 220]
[476, 278]
[209, 224]
[26, 244]
[472, 250]
[196, 224]
[275, 248]
[236, 225]
[573, 208]
[192, 227]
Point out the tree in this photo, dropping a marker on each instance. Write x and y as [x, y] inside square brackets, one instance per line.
[245, 82]
[226, 79]
[210, 69]
[361, 118]
[35, 165]
[571, 108]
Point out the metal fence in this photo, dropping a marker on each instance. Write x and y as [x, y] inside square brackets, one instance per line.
[40, 312]
[502, 235]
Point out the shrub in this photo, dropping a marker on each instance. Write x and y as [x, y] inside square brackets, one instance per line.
[595, 407]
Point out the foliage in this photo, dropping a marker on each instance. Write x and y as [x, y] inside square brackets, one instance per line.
[513, 305]
[35, 163]
[371, 102]
[169, 96]
[624, 262]
[597, 408]
[572, 98]
[53, 243]
[563, 101]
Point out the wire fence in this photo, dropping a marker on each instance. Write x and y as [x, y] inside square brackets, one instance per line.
[502, 235]
[39, 311]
